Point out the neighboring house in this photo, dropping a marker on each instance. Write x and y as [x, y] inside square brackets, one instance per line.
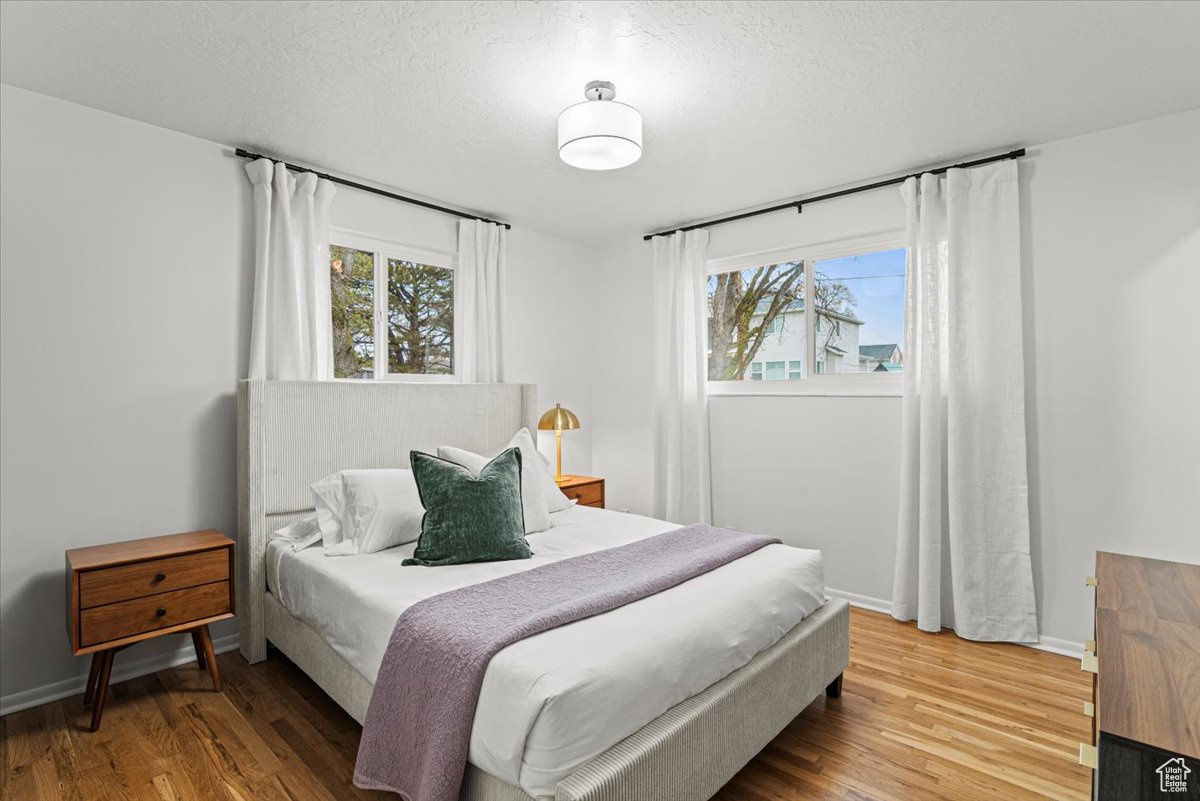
[782, 354]
[880, 358]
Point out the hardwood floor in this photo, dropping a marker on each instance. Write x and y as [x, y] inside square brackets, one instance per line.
[920, 717]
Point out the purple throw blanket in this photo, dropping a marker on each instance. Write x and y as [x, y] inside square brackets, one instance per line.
[418, 725]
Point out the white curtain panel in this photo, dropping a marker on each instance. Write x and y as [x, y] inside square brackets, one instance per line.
[962, 556]
[291, 334]
[681, 475]
[480, 301]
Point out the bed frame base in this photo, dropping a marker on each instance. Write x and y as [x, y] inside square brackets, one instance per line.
[686, 754]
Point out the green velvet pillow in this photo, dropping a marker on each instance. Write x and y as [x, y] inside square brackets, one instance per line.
[469, 517]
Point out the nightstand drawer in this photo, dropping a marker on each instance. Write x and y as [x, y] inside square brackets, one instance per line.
[586, 494]
[126, 582]
[141, 615]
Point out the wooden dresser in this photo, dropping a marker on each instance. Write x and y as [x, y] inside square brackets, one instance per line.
[585, 490]
[1146, 685]
[126, 592]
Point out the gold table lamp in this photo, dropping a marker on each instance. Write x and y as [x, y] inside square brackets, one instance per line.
[558, 420]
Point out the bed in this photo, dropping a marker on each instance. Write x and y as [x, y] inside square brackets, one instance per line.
[649, 701]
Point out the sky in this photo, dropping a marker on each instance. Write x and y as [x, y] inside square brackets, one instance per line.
[877, 281]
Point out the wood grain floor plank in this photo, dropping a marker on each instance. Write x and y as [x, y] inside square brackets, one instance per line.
[20, 756]
[66, 766]
[921, 717]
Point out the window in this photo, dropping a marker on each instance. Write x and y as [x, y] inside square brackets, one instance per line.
[855, 292]
[420, 319]
[744, 307]
[413, 321]
[862, 298]
[352, 297]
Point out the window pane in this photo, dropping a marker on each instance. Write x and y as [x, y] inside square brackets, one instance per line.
[756, 314]
[756, 372]
[860, 320]
[352, 298]
[420, 318]
[775, 371]
[795, 370]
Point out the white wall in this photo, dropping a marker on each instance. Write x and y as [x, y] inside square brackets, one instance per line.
[125, 281]
[1111, 238]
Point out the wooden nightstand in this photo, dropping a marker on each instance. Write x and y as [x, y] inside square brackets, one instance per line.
[131, 591]
[587, 490]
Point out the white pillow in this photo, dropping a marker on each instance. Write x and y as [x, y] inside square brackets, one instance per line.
[533, 505]
[556, 501]
[300, 533]
[365, 511]
[329, 499]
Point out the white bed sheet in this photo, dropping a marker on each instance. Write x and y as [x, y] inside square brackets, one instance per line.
[551, 702]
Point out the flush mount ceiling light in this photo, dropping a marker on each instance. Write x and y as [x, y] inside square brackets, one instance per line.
[600, 134]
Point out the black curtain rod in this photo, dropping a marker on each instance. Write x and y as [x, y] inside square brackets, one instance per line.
[246, 154]
[798, 204]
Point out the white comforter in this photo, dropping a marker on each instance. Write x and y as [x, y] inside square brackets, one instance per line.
[553, 701]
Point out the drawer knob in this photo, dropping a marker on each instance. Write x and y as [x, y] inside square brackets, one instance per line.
[160, 576]
[1087, 755]
[162, 610]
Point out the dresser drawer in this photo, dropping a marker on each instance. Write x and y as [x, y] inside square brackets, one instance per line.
[586, 494]
[127, 618]
[139, 579]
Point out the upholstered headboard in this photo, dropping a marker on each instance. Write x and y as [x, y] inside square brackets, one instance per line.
[291, 433]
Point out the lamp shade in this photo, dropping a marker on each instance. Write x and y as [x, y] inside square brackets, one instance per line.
[600, 134]
[558, 419]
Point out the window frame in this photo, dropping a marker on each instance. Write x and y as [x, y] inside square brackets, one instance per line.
[812, 383]
[384, 249]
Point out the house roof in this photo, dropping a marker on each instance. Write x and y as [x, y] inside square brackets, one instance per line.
[798, 306]
[877, 352]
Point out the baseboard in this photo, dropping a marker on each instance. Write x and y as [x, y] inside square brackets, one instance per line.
[1056, 646]
[861, 601]
[1051, 644]
[122, 671]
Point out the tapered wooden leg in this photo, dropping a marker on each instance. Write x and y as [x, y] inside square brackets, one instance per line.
[93, 672]
[210, 657]
[198, 644]
[834, 690]
[102, 687]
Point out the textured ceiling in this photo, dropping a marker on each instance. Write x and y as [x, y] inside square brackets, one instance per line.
[744, 103]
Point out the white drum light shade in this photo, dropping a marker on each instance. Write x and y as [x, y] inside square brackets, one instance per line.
[600, 134]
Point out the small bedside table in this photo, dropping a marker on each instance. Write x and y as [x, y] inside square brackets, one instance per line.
[126, 592]
[586, 490]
